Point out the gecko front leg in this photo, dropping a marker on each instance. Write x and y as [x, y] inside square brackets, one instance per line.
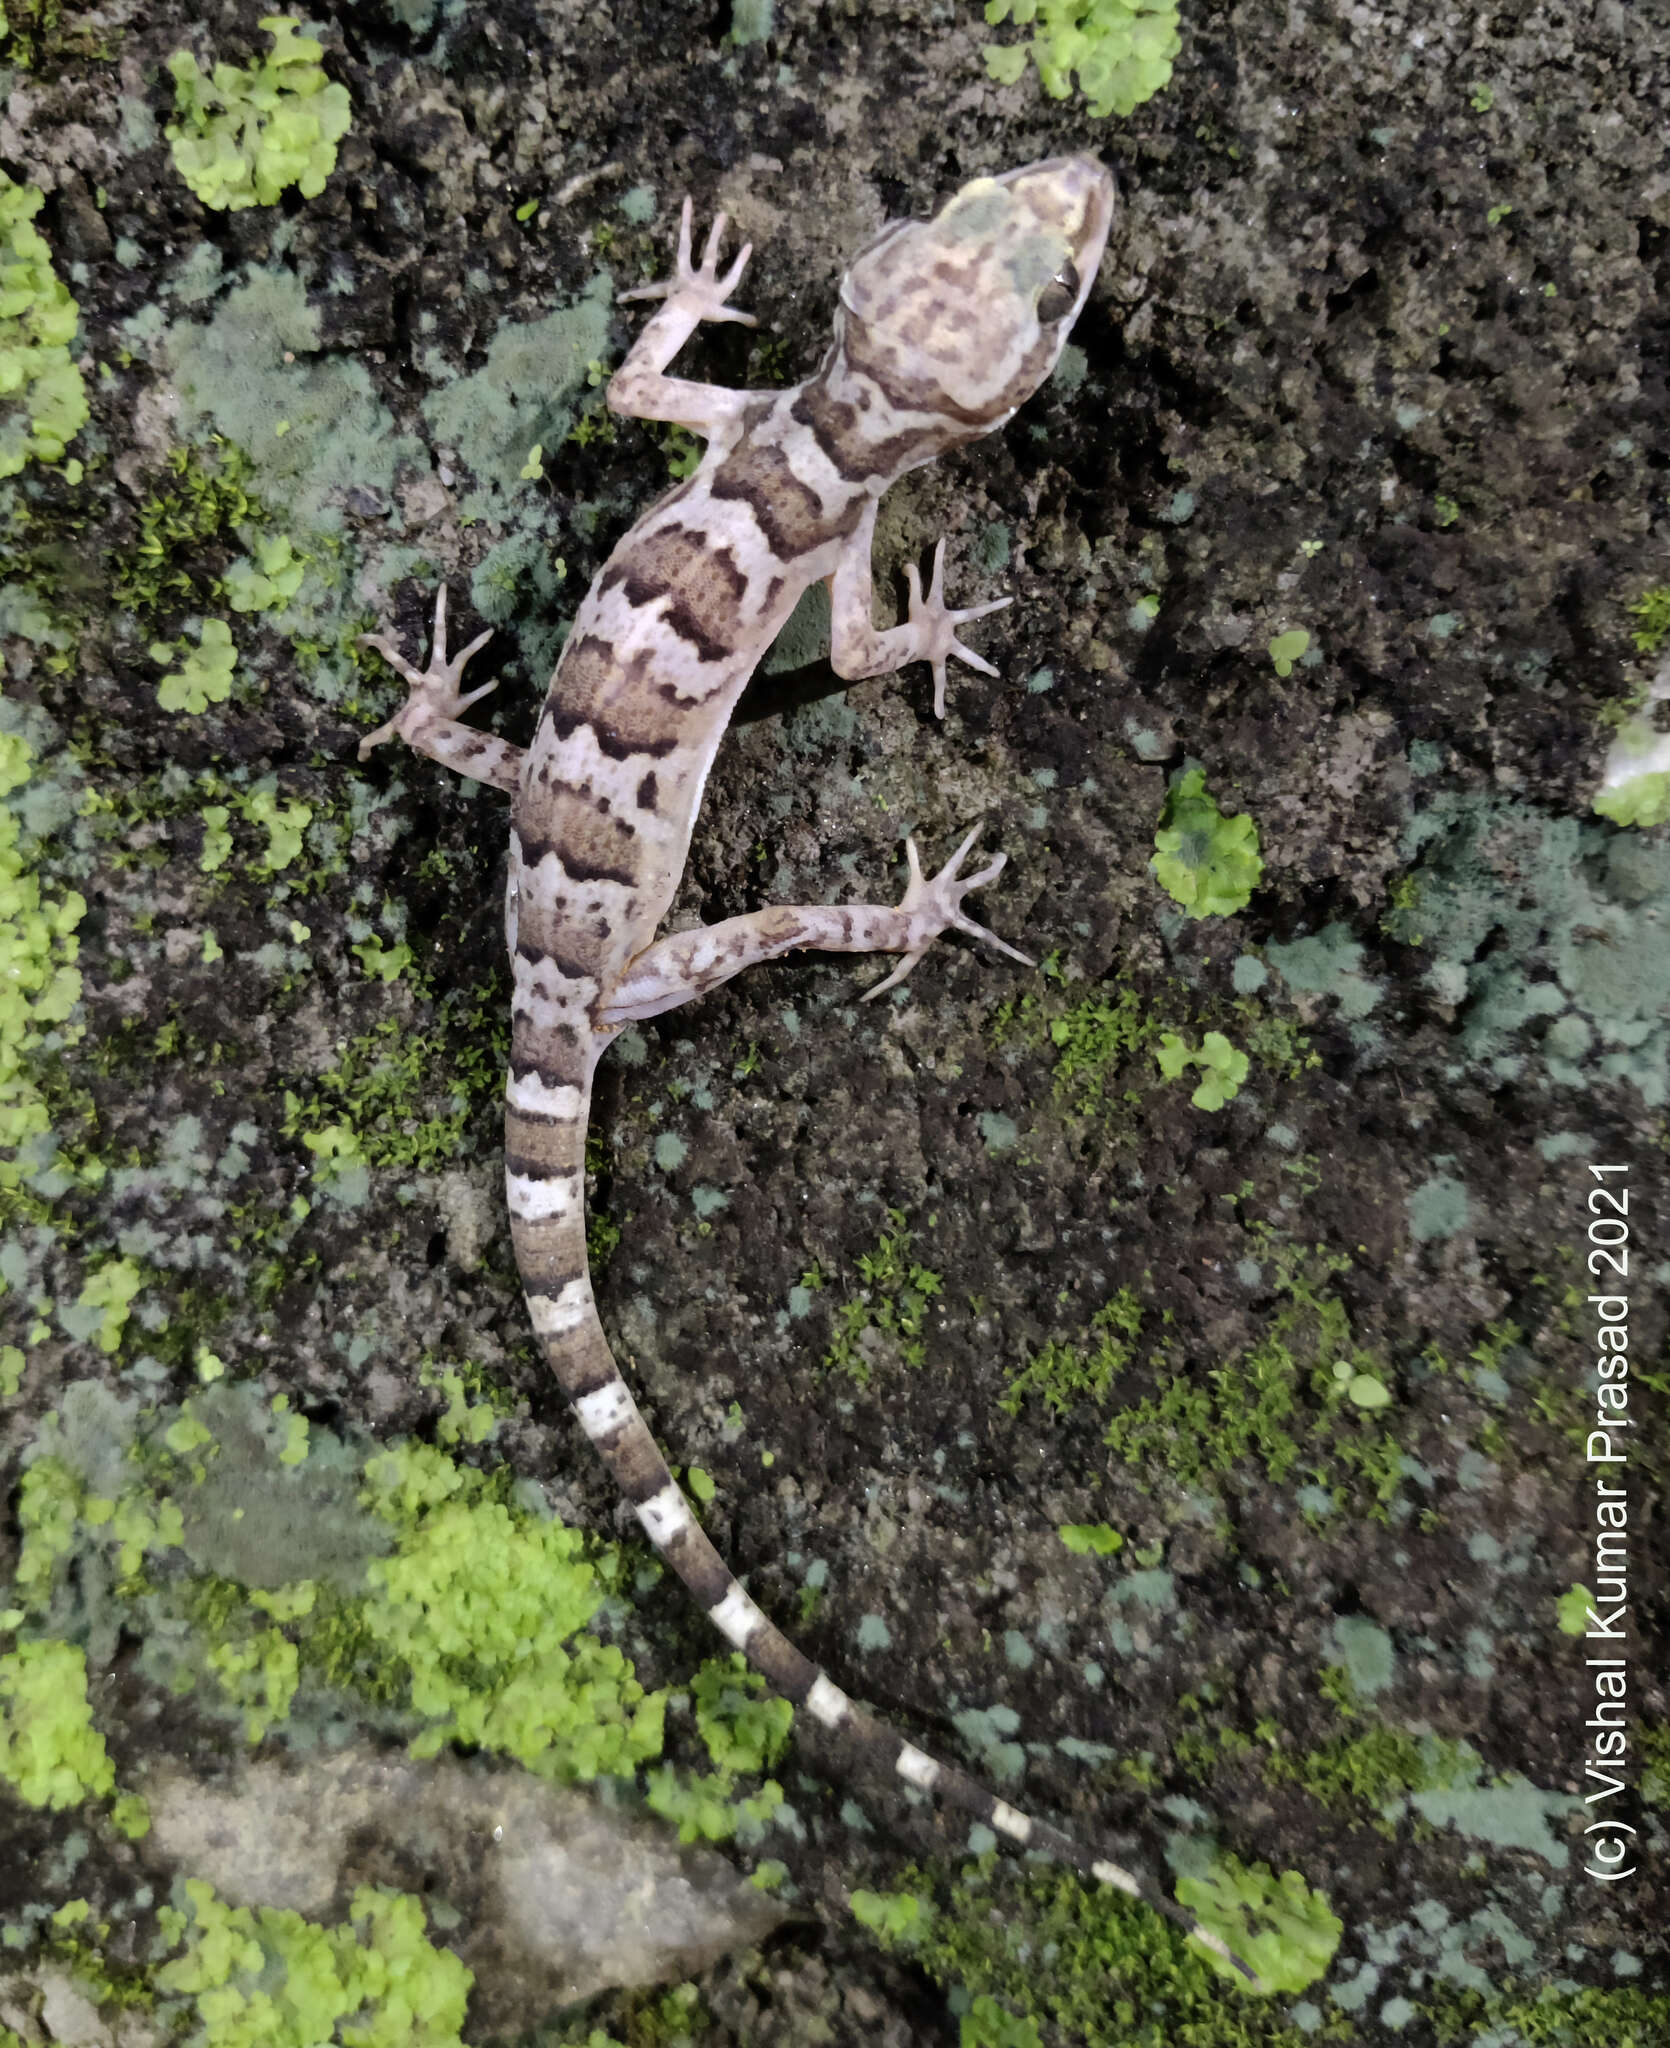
[858, 647]
[428, 720]
[689, 964]
[640, 388]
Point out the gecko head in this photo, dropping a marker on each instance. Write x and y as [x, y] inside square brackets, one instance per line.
[962, 317]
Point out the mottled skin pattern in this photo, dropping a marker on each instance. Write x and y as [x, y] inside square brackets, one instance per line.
[944, 328]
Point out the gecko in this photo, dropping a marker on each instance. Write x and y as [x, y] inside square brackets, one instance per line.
[943, 329]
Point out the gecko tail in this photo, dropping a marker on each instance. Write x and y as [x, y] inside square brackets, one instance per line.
[545, 1135]
[610, 1417]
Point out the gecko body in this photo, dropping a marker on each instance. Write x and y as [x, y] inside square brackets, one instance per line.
[944, 328]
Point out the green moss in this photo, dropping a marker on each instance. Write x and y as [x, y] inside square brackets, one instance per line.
[898, 1915]
[177, 524]
[1279, 1405]
[1062, 1375]
[244, 136]
[1103, 1969]
[1651, 611]
[270, 1979]
[1533, 2016]
[1374, 1768]
[1120, 50]
[986, 2024]
[50, 1752]
[1207, 862]
[892, 1298]
[43, 400]
[387, 1090]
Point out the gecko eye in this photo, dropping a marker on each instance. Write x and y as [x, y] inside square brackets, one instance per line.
[1059, 296]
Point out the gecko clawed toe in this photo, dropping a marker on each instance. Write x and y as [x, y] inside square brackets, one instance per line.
[702, 290]
[943, 328]
[933, 906]
[937, 627]
[433, 695]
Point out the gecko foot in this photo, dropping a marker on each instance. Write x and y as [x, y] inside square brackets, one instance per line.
[702, 292]
[433, 692]
[937, 627]
[933, 906]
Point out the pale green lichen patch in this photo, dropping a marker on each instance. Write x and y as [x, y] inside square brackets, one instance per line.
[522, 394]
[1551, 972]
[310, 425]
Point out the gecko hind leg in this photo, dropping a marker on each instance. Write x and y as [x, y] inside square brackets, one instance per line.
[689, 964]
[428, 721]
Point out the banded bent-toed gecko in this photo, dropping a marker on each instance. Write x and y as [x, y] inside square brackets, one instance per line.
[944, 328]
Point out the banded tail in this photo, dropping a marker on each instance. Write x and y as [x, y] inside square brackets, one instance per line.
[545, 1146]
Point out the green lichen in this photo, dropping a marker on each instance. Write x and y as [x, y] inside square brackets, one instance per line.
[105, 1303]
[1643, 801]
[1287, 648]
[1207, 862]
[1278, 1924]
[1222, 1067]
[40, 984]
[744, 1731]
[43, 400]
[1090, 1539]
[204, 676]
[485, 1610]
[415, 1581]
[270, 1979]
[244, 135]
[744, 1727]
[1121, 50]
[50, 1752]
[269, 581]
